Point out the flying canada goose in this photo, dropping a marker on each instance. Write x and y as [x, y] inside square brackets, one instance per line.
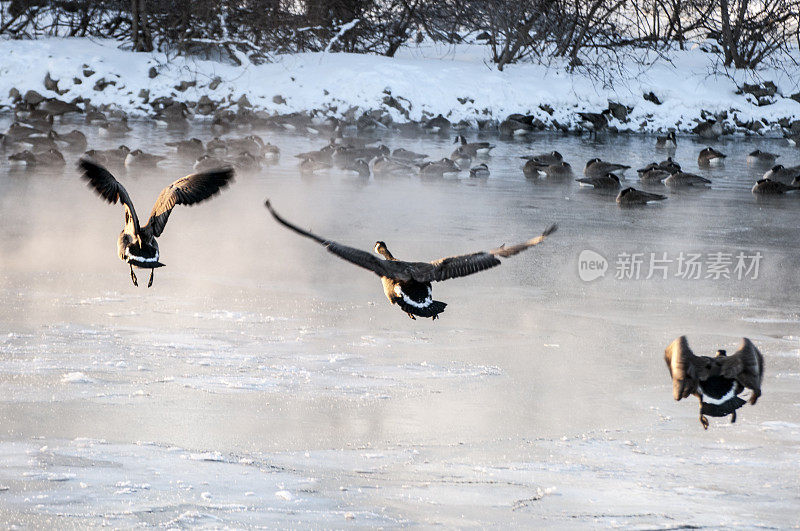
[408, 284]
[607, 181]
[770, 187]
[761, 157]
[710, 157]
[599, 168]
[137, 244]
[473, 149]
[682, 179]
[716, 381]
[632, 196]
[667, 142]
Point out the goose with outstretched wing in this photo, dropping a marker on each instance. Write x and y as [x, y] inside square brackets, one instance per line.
[716, 381]
[137, 245]
[408, 284]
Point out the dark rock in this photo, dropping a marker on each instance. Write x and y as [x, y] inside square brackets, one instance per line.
[144, 95]
[795, 126]
[32, 98]
[184, 85]
[463, 101]
[101, 84]
[205, 105]
[50, 83]
[153, 72]
[88, 72]
[215, 83]
[652, 98]
[77, 81]
[796, 97]
[762, 90]
[277, 99]
[243, 102]
[14, 95]
[546, 108]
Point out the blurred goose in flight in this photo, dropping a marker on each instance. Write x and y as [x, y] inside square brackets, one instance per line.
[599, 168]
[710, 157]
[667, 142]
[473, 149]
[632, 196]
[607, 181]
[770, 187]
[761, 157]
[682, 179]
[408, 284]
[716, 381]
[137, 244]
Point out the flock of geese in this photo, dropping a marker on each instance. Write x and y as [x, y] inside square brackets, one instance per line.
[716, 381]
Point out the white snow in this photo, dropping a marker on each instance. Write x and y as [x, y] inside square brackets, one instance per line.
[429, 79]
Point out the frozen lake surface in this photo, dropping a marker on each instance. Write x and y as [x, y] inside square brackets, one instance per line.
[262, 382]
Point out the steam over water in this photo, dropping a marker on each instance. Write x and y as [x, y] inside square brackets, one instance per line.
[262, 381]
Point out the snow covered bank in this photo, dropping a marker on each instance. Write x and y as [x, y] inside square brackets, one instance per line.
[420, 83]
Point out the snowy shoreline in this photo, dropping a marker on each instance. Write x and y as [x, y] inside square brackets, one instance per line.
[415, 86]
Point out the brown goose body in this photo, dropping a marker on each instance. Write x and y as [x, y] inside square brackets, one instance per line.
[137, 245]
[408, 284]
[718, 381]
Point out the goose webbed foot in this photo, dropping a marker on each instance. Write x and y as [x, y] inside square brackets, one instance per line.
[434, 316]
[704, 421]
[733, 417]
[150, 282]
[133, 277]
[411, 315]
